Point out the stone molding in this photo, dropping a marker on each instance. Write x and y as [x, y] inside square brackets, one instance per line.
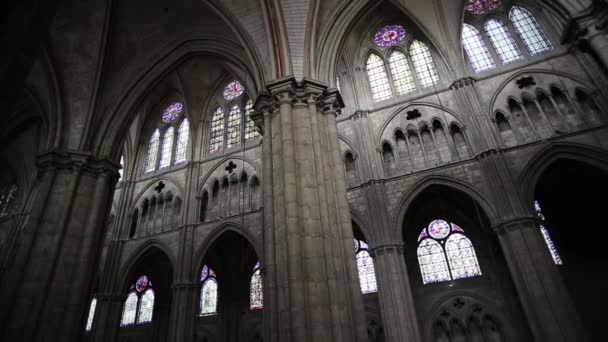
[359, 114]
[514, 224]
[463, 82]
[77, 161]
[387, 248]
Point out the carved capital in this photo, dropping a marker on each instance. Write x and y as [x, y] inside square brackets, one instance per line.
[463, 82]
[78, 162]
[359, 114]
[515, 224]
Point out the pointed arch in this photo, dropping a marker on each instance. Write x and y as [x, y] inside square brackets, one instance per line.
[433, 265]
[233, 135]
[365, 267]
[461, 257]
[403, 79]
[129, 311]
[529, 31]
[476, 50]
[183, 139]
[152, 151]
[256, 290]
[423, 64]
[146, 307]
[503, 42]
[167, 149]
[216, 135]
[378, 78]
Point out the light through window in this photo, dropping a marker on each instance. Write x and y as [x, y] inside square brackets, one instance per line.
[217, 130]
[256, 293]
[208, 302]
[365, 267]
[378, 79]
[502, 41]
[139, 306]
[183, 137]
[251, 132]
[529, 31]
[545, 232]
[165, 154]
[91, 314]
[423, 64]
[401, 73]
[234, 126]
[476, 49]
[233, 90]
[152, 151]
[445, 253]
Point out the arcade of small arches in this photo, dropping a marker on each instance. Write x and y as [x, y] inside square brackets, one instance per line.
[421, 185]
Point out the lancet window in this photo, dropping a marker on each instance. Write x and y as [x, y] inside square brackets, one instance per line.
[171, 149]
[542, 225]
[256, 289]
[365, 266]
[139, 305]
[208, 299]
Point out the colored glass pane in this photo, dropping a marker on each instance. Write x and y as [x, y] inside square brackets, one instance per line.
[216, 138]
[476, 49]
[204, 273]
[152, 151]
[389, 35]
[146, 307]
[545, 232]
[251, 132]
[461, 257]
[256, 294]
[167, 149]
[480, 7]
[401, 73]
[172, 112]
[142, 284]
[502, 41]
[423, 64]
[423, 234]
[234, 126]
[529, 31]
[183, 137]
[431, 259]
[209, 298]
[439, 229]
[233, 90]
[130, 310]
[457, 228]
[378, 79]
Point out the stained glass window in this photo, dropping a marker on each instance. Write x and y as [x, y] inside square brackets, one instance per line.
[130, 309]
[234, 126]
[401, 73]
[529, 31]
[216, 137]
[183, 137]
[476, 49]
[233, 90]
[389, 35]
[251, 132]
[365, 266]
[7, 195]
[91, 314]
[481, 7]
[461, 257]
[338, 83]
[423, 64]
[172, 112]
[445, 253]
[433, 265]
[146, 307]
[165, 154]
[545, 232]
[208, 301]
[378, 79]
[152, 151]
[502, 41]
[256, 294]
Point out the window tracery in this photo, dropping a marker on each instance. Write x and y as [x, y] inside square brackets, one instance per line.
[183, 137]
[502, 41]
[445, 253]
[545, 232]
[365, 267]
[234, 126]
[208, 300]
[529, 31]
[476, 49]
[423, 64]
[378, 79]
[481, 7]
[256, 290]
[139, 305]
[251, 132]
[153, 151]
[389, 35]
[165, 154]
[401, 73]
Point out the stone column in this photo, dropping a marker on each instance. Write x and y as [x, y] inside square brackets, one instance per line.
[55, 266]
[396, 301]
[550, 311]
[311, 278]
[108, 314]
[394, 293]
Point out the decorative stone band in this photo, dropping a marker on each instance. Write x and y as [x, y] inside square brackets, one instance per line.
[77, 161]
[289, 91]
[514, 224]
[388, 248]
[463, 82]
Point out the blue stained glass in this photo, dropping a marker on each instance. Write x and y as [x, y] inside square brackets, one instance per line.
[142, 284]
[172, 112]
[233, 90]
[481, 7]
[389, 35]
[423, 235]
[204, 273]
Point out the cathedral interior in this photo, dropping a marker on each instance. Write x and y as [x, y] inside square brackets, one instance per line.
[303, 170]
